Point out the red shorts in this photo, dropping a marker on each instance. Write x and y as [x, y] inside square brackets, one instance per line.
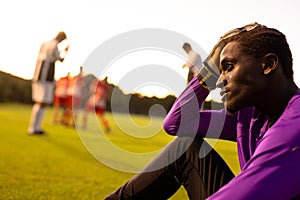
[99, 111]
[60, 101]
[73, 102]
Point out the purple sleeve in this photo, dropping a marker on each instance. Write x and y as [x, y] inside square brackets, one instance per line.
[186, 119]
[273, 171]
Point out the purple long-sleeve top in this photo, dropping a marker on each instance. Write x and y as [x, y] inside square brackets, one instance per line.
[269, 158]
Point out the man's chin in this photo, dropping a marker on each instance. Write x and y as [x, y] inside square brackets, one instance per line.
[230, 109]
[230, 112]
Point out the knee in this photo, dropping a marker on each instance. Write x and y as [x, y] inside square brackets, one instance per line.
[185, 145]
[188, 142]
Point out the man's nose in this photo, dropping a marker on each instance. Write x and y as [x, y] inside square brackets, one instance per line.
[221, 82]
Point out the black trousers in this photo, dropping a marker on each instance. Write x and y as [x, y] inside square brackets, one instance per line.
[186, 161]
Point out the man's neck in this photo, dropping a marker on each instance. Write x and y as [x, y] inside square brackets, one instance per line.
[278, 101]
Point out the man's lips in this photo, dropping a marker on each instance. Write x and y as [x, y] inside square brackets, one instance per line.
[223, 93]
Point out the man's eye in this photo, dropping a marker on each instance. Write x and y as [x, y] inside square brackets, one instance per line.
[228, 67]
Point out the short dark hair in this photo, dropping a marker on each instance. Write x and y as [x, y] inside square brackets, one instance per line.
[186, 46]
[263, 40]
[61, 36]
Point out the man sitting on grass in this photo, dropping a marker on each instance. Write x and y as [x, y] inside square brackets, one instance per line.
[262, 114]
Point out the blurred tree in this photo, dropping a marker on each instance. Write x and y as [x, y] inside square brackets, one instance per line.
[14, 89]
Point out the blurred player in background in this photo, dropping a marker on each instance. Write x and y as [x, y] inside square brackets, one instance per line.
[194, 63]
[60, 98]
[97, 103]
[74, 96]
[43, 80]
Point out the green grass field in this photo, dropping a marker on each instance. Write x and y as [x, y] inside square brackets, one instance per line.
[60, 165]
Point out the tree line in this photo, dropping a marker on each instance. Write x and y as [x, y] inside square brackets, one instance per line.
[16, 89]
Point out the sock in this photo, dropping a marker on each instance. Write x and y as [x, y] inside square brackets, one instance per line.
[37, 115]
[39, 119]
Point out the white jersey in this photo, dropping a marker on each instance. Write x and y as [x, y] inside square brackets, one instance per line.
[196, 62]
[48, 55]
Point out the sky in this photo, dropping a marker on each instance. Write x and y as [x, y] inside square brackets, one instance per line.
[92, 23]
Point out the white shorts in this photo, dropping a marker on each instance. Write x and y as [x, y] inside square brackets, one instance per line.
[43, 92]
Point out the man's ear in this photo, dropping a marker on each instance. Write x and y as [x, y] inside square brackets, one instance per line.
[270, 63]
